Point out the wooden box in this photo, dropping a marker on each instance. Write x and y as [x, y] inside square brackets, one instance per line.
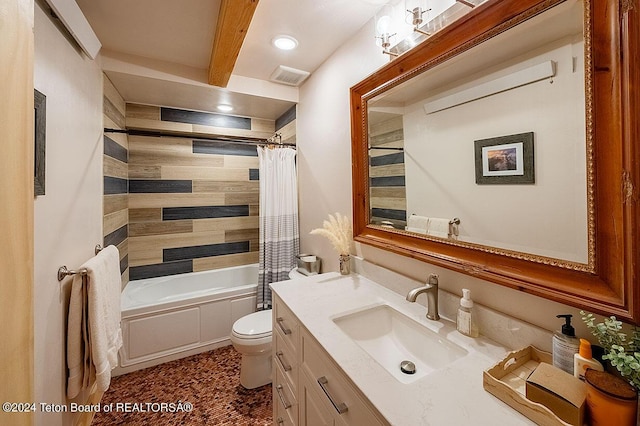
[507, 381]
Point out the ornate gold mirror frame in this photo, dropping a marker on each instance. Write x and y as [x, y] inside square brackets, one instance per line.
[610, 283]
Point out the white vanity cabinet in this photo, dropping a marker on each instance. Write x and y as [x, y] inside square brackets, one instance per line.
[309, 389]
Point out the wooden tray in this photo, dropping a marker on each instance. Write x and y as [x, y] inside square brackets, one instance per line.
[507, 380]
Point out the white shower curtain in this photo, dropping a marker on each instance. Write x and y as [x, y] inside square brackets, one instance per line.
[279, 234]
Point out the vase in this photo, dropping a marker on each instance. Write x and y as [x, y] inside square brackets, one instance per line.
[345, 264]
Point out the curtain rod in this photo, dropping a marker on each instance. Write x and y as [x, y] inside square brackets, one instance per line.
[233, 140]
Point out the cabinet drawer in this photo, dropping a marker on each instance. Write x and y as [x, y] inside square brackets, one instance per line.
[286, 323]
[285, 358]
[285, 405]
[336, 391]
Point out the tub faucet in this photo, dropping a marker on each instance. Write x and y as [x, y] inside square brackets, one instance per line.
[432, 296]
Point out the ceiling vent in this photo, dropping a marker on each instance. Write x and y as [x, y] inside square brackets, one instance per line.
[289, 76]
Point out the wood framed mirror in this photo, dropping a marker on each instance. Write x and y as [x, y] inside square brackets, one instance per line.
[603, 275]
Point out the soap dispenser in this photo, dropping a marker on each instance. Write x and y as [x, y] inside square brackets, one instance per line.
[565, 345]
[466, 321]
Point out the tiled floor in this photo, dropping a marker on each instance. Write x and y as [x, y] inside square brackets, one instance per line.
[209, 381]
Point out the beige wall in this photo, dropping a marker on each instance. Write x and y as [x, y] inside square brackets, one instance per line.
[325, 182]
[68, 218]
[16, 206]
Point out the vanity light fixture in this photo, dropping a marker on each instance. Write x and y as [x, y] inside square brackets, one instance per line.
[285, 42]
[383, 25]
[415, 9]
[225, 108]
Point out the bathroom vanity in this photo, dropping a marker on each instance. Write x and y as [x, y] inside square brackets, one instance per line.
[338, 344]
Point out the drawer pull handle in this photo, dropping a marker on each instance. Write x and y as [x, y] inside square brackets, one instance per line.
[280, 357]
[279, 320]
[285, 403]
[280, 421]
[340, 407]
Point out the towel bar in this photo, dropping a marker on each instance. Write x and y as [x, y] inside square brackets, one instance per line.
[64, 272]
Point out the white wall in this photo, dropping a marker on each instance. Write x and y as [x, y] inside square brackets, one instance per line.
[68, 219]
[548, 218]
[325, 183]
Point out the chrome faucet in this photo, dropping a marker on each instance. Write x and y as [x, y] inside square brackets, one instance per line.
[432, 296]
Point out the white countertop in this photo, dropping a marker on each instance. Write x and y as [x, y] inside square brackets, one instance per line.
[451, 396]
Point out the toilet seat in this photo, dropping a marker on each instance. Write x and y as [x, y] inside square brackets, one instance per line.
[253, 326]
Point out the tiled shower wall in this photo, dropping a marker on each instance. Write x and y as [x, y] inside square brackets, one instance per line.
[387, 173]
[193, 203]
[115, 158]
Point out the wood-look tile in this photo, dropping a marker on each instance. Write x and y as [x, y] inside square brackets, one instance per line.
[146, 124]
[225, 186]
[389, 192]
[226, 223]
[125, 278]
[143, 254]
[233, 198]
[114, 221]
[263, 125]
[154, 242]
[381, 152]
[204, 212]
[124, 264]
[388, 181]
[151, 144]
[114, 149]
[116, 237]
[137, 171]
[167, 158]
[119, 138]
[146, 112]
[254, 210]
[286, 118]
[241, 235]
[141, 201]
[389, 203]
[386, 126]
[113, 203]
[202, 130]
[112, 94]
[389, 158]
[388, 170]
[114, 168]
[204, 173]
[111, 111]
[238, 162]
[145, 215]
[160, 270]
[217, 262]
[115, 185]
[143, 186]
[123, 248]
[138, 229]
[395, 135]
[209, 250]
[288, 131]
[389, 213]
[254, 174]
[204, 118]
[224, 148]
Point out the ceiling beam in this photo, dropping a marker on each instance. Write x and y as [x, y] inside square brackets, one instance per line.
[234, 18]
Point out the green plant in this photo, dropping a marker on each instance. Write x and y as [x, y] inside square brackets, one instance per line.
[623, 354]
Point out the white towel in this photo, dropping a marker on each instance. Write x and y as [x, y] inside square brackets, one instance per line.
[417, 223]
[438, 227]
[94, 335]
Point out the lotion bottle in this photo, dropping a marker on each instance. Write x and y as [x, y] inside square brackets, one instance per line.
[466, 321]
[584, 359]
[565, 345]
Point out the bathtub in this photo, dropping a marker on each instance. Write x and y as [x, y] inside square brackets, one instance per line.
[171, 317]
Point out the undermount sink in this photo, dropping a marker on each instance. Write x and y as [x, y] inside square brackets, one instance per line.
[391, 337]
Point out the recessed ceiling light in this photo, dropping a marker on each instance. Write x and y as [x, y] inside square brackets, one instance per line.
[225, 108]
[285, 42]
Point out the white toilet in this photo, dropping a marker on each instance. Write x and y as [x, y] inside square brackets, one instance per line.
[251, 336]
